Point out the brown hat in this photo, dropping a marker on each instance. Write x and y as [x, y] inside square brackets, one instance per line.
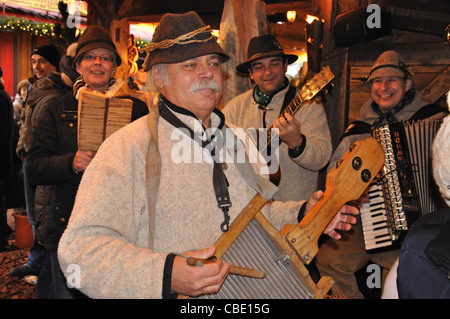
[96, 37]
[261, 47]
[389, 63]
[180, 37]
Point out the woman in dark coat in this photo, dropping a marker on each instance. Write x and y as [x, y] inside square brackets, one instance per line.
[54, 157]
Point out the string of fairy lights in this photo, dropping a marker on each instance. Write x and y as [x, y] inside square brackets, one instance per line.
[14, 24]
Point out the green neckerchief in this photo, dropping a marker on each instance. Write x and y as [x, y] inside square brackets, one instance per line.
[264, 99]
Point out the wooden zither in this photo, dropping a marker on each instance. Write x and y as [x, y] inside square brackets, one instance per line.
[99, 116]
[253, 243]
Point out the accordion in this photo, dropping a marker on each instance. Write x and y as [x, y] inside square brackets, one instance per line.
[405, 190]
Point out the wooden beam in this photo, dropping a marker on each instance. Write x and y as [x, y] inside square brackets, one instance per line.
[125, 7]
[438, 87]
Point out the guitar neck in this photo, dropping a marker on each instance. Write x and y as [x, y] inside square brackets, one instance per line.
[307, 93]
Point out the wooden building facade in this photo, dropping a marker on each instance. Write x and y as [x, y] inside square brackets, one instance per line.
[417, 31]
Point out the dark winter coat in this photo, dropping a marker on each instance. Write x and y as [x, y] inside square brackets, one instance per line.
[53, 148]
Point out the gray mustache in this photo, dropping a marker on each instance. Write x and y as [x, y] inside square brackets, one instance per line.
[205, 84]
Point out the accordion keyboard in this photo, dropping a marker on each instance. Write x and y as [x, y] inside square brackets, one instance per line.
[375, 221]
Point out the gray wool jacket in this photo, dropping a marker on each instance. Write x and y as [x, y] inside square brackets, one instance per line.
[299, 175]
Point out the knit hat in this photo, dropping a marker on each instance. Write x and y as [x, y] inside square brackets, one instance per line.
[50, 53]
[180, 37]
[389, 63]
[261, 47]
[96, 37]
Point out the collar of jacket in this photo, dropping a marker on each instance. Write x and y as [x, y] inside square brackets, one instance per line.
[153, 170]
[264, 99]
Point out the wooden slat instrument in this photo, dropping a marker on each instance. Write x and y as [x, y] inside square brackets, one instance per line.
[99, 116]
[252, 241]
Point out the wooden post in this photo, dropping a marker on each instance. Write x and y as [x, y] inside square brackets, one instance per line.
[241, 20]
[337, 58]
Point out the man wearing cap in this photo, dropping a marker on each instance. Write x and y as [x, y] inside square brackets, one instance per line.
[155, 182]
[44, 59]
[54, 158]
[393, 99]
[44, 63]
[306, 146]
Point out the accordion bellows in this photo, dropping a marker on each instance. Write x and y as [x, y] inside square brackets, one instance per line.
[100, 116]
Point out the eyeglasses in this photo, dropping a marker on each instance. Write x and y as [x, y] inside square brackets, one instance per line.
[93, 57]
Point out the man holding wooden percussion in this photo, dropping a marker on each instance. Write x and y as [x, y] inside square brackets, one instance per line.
[158, 192]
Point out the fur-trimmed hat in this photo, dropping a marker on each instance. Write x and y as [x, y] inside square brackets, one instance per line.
[261, 47]
[21, 84]
[389, 63]
[50, 53]
[96, 37]
[180, 37]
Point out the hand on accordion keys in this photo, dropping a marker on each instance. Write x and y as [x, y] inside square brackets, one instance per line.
[342, 221]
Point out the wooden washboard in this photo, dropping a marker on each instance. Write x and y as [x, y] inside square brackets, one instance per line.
[252, 242]
[99, 116]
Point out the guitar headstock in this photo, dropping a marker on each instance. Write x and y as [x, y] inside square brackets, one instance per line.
[347, 181]
[353, 172]
[316, 84]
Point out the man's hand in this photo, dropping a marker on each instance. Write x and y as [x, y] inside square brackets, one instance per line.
[288, 130]
[195, 281]
[343, 220]
[82, 159]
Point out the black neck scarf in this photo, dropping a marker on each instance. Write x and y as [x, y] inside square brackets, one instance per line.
[220, 181]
